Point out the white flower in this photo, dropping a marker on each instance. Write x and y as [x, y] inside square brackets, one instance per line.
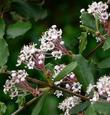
[31, 56]
[100, 10]
[95, 97]
[76, 87]
[58, 93]
[69, 103]
[52, 43]
[57, 54]
[82, 10]
[89, 88]
[15, 78]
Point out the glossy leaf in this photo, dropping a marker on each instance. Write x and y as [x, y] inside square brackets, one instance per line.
[50, 106]
[83, 71]
[82, 41]
[88, 20]
[39, 105]
[104, 63]
[90, 111]
[70, 67]
[4, 53]
[2, 28]
[30, 10]
[106, 45]
[18, 29]
[102, 107]
[79, 108]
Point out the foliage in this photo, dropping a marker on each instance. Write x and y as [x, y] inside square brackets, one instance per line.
[48, 71]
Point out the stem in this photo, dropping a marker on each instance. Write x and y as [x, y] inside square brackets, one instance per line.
[98, 46]
[26, 105]
[70, 92]
[59, 88]
[37, 81]
[52, 87]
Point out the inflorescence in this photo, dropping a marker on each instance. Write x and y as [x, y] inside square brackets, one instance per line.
[101, 90]
[98, 10]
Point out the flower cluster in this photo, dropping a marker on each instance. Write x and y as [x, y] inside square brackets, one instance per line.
[52, 43]
[31, 56]
[15, 78]
[69, 82]
[101, 89]
[99, 10]
[69, 103]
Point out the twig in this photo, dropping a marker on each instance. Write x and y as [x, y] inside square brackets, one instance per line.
[26, 105]
[98, 46]
[70, 92]
[60, 88]
[37, 81]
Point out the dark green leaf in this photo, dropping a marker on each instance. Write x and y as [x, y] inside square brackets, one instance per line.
[18, 29]
[104, 63]
[20, 100]
[102, 107]
[2, 108]
[82, 41]
[83, 71]
[90, 111]
[79, 108]
[30, 10]
[39, 105]
[4, 53]
[88, 20]
[70, 67]
[106, 45]
[50, 106]
[2, 28]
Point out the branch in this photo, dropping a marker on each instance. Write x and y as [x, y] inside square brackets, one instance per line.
[37, 81]
[70, 92]
[58, 88]
[26, 105]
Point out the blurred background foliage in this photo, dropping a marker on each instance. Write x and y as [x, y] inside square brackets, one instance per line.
[25, 20]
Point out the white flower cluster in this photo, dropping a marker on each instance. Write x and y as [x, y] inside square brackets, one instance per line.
[103, 89]
[51, 42]
[69, 82]
[58, 93]
[99, 10]
[51, 46]
[31, 56]
[15, 78]
[68, 104]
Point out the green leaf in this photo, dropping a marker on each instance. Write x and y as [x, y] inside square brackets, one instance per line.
[83, 71]
[104, 63]
[29, 10]
[2, 108]
[79, 108]
[106, 45]
[18, 29]
[90, 111]
[21, 100]
[102, 107]
[82, 41]
[70, 67]
[88, 20]
[50, 106]
[39, 105]
[2, 28]
[4, 53]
